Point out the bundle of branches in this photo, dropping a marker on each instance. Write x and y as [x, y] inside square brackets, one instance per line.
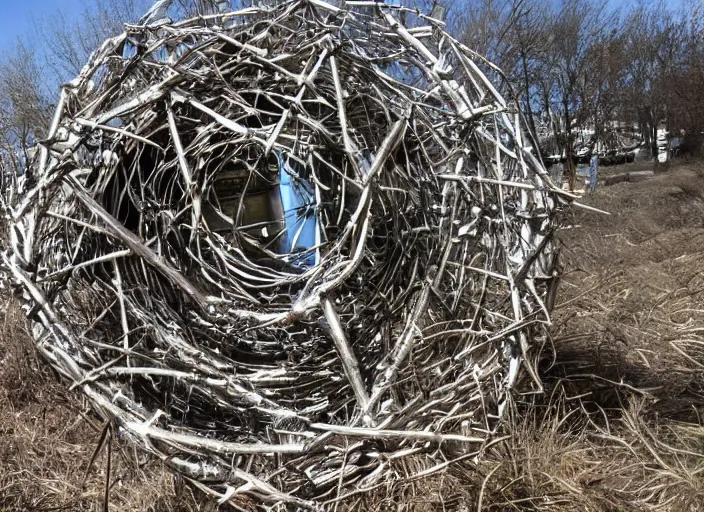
[283, 247]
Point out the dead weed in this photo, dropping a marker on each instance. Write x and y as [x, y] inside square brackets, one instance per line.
[47, 439]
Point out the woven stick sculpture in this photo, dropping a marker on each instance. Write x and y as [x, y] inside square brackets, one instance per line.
[285, 248]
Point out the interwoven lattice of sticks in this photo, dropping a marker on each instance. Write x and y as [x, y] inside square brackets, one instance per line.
[283, 248]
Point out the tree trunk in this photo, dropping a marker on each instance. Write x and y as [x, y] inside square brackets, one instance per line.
[529, 110]
[643, 131]
[570, 161]
[653, 128]
[570, 169]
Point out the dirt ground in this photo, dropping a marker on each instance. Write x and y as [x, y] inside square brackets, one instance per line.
[631, 305]
[620, 427]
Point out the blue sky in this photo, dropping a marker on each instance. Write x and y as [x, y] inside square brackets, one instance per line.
[16, 15]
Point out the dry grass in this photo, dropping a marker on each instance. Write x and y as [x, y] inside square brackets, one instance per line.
[620, 428]
[631, 307]
[563, 458]
[47, 439]
[629, 334]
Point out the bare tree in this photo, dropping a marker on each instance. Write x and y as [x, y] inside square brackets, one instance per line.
[529, 40]
[577, 27]
[676, 91]
[32, 69]
[652, 38]
[68, 42]
[484, 26]
[572, 63]
[24, 111]
[604, 76]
